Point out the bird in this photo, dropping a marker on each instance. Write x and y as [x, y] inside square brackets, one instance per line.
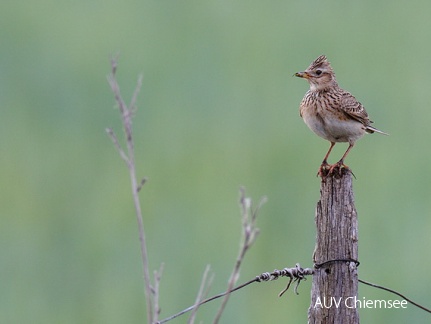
[332, 113]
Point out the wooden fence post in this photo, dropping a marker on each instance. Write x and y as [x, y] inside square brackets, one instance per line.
[335, 280]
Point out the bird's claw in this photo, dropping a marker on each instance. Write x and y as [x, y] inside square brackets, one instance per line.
[338, 168]
[323, 170]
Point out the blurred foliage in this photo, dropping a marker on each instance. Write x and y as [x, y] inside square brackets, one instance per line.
[218, 109]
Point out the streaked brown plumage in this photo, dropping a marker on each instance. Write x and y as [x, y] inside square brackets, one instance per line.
[331, 112]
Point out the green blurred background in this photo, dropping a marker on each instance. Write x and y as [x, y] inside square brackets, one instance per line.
[218, 109]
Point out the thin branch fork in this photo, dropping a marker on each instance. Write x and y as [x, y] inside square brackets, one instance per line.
[129, 158]
[250, 233]
[203, 291]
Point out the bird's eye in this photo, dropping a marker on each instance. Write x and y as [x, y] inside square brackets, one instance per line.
[318, 72]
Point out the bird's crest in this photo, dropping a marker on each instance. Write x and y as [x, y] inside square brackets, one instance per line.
[319, 62]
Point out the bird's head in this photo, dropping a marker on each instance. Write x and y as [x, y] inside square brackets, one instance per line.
[319, 74]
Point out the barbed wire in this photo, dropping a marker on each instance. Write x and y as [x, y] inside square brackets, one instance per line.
[396, 293]
[295, 274]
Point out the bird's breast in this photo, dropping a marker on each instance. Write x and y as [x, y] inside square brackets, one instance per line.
[328, 122]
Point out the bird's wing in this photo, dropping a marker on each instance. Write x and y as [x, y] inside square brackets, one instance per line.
[354, 109]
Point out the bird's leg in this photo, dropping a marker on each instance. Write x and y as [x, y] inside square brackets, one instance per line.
[324, 166]
[340, 164]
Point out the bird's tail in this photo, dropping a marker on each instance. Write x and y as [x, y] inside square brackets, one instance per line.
[371, 129]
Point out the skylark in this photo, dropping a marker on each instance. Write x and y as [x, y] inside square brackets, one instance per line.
[331, 112]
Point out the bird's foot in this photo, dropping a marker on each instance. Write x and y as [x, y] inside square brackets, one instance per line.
[338, 169]
[323, 170]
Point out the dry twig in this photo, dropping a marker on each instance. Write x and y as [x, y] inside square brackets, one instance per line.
[203, 291]
[129, 158]
[156, 290]
[250, 232]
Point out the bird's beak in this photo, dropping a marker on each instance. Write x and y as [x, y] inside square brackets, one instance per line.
[304, 75]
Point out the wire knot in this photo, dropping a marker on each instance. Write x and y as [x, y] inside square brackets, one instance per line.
[295, 274]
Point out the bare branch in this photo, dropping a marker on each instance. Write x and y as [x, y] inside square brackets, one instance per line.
[117, 145]
[129, 157]
[115, 88]
[132, 105]
[203, 291]
[250, 232]
[156, 292]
